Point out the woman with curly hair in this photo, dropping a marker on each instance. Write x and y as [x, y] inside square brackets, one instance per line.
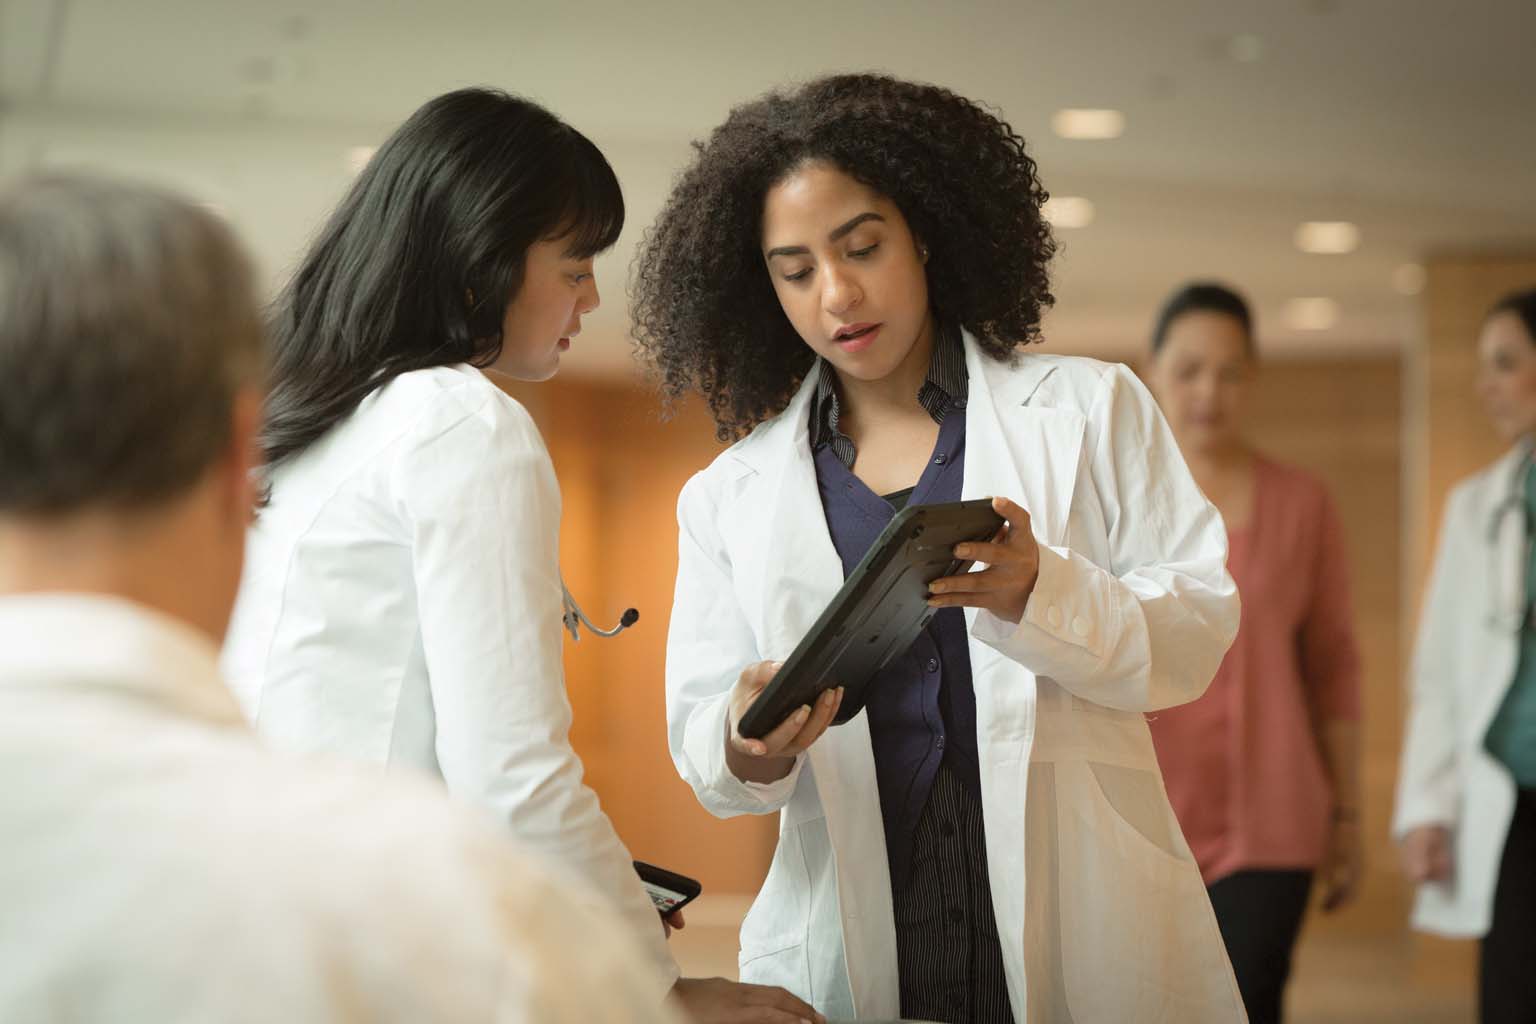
[848, 272]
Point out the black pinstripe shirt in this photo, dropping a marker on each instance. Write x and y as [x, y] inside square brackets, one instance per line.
[944, 389]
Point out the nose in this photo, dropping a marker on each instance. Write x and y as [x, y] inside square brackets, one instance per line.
[590, 299]
[839, 291]
[1205, 388]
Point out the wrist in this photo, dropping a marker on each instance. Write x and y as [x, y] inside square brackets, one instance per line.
[749, 768]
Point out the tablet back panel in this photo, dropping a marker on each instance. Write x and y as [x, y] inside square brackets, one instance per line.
[877, 614]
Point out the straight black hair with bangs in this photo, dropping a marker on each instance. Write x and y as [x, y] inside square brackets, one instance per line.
[417, 265]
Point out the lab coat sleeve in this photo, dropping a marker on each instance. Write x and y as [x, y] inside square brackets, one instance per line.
[708, 645]
[1148, 630]
[1428, 785]
[484, 509]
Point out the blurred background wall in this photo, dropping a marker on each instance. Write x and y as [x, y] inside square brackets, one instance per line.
[1401, 125]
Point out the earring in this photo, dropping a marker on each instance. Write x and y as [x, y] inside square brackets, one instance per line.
[922, 253]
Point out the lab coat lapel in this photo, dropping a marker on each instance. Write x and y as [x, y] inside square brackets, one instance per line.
[1017, 450]
[1028, 454]
[801, 569]
[801, 574]
[1505, 541]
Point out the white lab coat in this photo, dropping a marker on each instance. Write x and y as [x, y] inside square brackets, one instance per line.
[1100, 909]
[1465, 659]
[401, 606]
[158, 865]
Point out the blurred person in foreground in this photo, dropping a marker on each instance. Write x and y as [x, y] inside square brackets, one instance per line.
[1466, 797]
[157, 863]
[1264, 768]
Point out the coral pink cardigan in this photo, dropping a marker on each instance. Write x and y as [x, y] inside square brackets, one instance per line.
[1242, 763]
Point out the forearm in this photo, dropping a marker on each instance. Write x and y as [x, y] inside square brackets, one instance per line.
[1339, 743]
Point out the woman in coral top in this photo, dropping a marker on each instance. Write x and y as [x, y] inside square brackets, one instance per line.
[1263, 769]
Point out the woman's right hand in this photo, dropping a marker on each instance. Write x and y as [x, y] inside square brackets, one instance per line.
[770, 759]
[1426, 854]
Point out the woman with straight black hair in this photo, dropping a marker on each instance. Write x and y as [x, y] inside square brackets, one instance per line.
[1263, 770]
[402, 599]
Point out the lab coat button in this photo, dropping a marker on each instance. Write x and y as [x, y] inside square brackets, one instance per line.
[1080, 627]
[933, 665]
[1053, 616]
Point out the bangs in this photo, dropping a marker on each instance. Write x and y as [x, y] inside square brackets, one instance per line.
[593, 211]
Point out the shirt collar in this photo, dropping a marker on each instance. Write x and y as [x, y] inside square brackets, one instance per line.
[944, 387]
[109, 644]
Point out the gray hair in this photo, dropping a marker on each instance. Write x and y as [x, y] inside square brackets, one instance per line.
[128, 322]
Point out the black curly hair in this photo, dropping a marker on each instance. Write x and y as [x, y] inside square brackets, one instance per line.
[706, 318]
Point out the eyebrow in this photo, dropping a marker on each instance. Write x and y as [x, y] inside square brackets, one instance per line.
[836, 233]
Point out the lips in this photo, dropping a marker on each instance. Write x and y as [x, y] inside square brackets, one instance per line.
[856, 337]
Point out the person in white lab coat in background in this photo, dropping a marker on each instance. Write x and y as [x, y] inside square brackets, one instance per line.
[158, 864]
[402, 599]
[1466, 797]
[848, 272]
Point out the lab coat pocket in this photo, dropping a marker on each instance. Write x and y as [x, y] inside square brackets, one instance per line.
[1139, 939]
[773, 935]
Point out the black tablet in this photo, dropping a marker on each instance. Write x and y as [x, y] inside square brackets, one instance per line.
[877, 614]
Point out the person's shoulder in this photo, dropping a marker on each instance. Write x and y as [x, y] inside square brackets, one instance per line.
[401, 889]
[338, 845]
[460, 426]
[1056, 380]
[458, 397]
[1289, 482]
[740, 461]
[1489, 485]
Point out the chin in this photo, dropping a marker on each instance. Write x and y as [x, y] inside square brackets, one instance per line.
[868, 366]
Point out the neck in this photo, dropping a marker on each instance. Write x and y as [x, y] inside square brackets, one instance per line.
[1222, 456]
[894, 395]
[155, 562]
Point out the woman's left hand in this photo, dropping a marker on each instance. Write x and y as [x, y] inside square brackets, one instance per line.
[1343, 866]
[1013, 564]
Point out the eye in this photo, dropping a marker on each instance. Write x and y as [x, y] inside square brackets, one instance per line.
[799, 275]
[859, 254]
[578, 278]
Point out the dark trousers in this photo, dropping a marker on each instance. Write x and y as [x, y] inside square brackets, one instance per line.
[1507, 972]
[1260, 916]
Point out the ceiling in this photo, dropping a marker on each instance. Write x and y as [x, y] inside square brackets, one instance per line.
[1410, 118]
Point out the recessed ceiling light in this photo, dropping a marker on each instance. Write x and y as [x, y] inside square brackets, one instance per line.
[1245, 48]
[1328, 237]
[1077, 123]
[358, 157]
[1408, 279]
[1068, 211]
[1311, 314]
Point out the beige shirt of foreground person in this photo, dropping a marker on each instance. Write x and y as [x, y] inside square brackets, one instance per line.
[159, 865]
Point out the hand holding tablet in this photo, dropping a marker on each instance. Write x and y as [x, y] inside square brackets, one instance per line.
[778, 711]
